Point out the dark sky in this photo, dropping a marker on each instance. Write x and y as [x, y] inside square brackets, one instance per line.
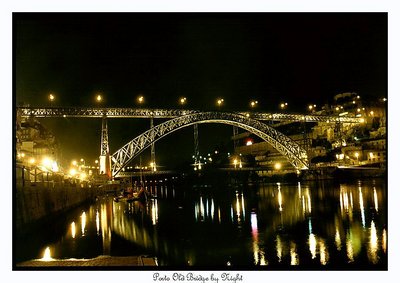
[272, 57]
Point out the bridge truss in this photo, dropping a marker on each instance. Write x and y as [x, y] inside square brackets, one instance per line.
[296, 155]
[170, 113]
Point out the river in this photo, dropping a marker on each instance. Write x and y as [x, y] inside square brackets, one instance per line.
[307, 225]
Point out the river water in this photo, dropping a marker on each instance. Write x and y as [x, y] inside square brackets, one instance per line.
[313, 225]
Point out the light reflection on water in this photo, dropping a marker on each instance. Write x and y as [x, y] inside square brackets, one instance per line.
[273, 224]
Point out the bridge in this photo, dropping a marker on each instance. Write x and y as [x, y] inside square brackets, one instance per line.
[180, 118]
[89, 112]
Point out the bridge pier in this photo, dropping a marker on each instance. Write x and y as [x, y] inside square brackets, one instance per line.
[153, 149]
[105, 158]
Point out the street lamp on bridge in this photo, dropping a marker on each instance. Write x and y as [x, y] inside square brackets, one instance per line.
[283, 105]
[182, 100]
[99, 98]
[140, 99]
[51, 98]
[253, 103]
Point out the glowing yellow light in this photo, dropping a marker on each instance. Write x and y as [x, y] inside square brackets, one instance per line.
[310, 107]
[83, 223]
[47, 162]
[294, 258]
[361, 206]
[73, 229]
[47, 255]
[99, 98]
[74, 163]
[51, 97]
[358, 110]
[371, 112]
[249, 142]
[154, 211]
[384, 240]
[278, 166]
[253, 103]
[312, 242]
[323, 252]
[220, 101]
[337, 108]
[373, 244]
[72, 172]
[356, 154]
[280, 199]
[182, 100]
[375, 200]
[349, 248]
[279, 248]
[83, 176]
[32, 160]
[337, 240]
[54, 166]
[97, 222]
[282, 105]
[140, 99]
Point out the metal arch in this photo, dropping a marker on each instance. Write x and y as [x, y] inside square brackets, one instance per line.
[287, 147]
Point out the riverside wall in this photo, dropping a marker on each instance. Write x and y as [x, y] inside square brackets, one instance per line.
[35, 202]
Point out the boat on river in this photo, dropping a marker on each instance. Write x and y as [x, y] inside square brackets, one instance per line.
[130, 195]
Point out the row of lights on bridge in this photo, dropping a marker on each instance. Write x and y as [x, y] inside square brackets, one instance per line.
[219, 102]
[141, 100]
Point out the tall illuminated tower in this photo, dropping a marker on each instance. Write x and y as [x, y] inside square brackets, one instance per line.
[105, 158]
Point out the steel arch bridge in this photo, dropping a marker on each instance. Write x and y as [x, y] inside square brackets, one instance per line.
[296, 155]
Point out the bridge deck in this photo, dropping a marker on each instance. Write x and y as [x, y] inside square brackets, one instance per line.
[169, 113]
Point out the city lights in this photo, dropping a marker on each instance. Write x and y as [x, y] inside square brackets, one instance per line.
[283, 105]
[220, 101]
[72, 172]
[47, 162]
[51, 97]
[278, 166]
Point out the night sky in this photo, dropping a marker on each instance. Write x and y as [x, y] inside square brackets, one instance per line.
[271, 57]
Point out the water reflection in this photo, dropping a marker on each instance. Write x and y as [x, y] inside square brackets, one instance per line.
[373, 244]
[47, 255]
[274, 224]
[73, 229]
[83, 223]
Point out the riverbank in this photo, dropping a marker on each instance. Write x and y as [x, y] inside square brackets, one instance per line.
[36, 202]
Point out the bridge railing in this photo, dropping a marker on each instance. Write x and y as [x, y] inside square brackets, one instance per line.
[33, 175]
